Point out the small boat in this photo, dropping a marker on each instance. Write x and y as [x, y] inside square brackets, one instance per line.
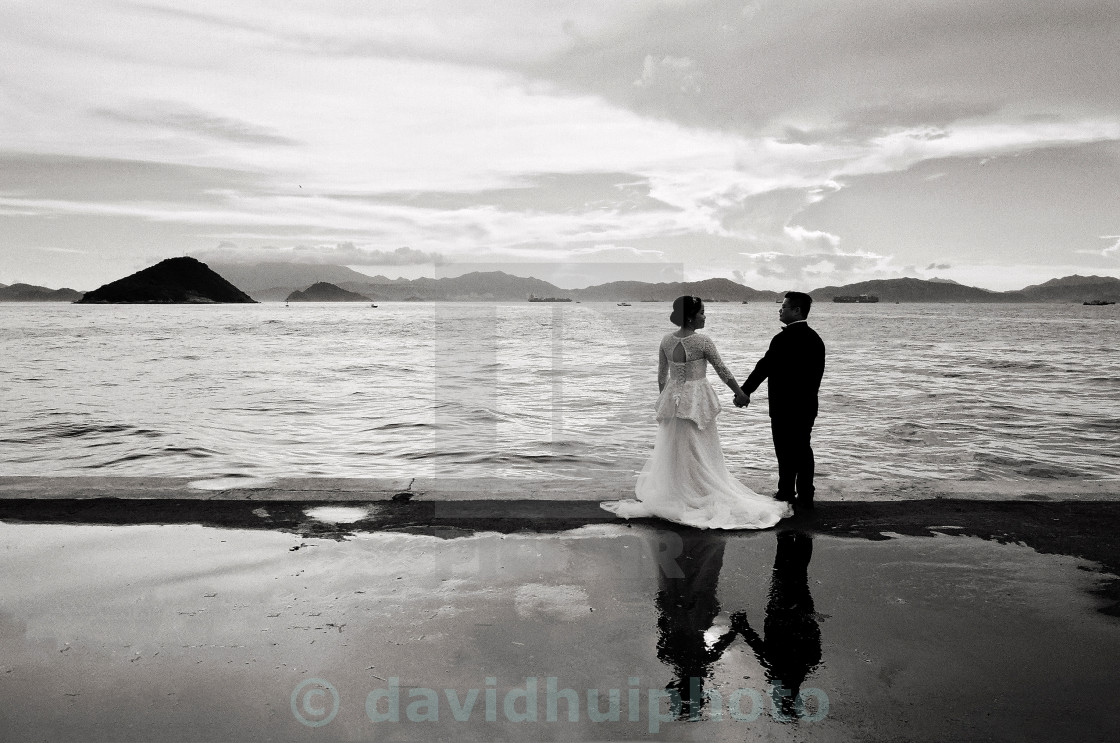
[623, 304]
[373, 305]
[1098, 302]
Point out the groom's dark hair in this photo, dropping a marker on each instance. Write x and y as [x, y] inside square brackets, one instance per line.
[684, 309]
[801, 301]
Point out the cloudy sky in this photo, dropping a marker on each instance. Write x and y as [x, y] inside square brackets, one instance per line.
[783, 143]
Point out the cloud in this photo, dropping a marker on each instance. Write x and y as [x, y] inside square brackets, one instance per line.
[677, 74]
[1038, 206]
[928, 119]
[559, 192]
[65, 251]
[342, 254]
[792, 68]
[616, 252]
[1111, 250]
[167, 116]
[811, 238]
[820, 267]
[938, 267]
[700, 130]
[107, 180]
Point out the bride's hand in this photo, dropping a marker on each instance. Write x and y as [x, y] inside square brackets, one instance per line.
[741, 400]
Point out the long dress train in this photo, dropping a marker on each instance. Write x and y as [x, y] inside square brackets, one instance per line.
[686, 480]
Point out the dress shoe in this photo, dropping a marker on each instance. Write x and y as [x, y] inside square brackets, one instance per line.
[801, 503]
[784, 497]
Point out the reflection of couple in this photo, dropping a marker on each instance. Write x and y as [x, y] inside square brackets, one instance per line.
[692, 637]
[686, 479]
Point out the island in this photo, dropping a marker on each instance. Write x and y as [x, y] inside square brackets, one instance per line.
[172, 281]
[323, 291]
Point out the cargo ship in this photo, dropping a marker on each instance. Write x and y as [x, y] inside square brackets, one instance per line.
[533, 298]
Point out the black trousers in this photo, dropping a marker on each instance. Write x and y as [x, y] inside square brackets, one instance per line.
[795, 455]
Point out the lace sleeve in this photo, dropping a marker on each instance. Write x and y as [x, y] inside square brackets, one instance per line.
[712, 355]
[662, 366]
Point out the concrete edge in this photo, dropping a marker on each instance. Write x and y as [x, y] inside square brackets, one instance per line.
[420, 489]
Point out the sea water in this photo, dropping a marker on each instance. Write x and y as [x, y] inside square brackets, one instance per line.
[556, 390]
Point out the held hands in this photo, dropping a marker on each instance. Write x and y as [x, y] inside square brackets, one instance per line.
[742, 399]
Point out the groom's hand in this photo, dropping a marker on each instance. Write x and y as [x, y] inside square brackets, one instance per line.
[742, 400]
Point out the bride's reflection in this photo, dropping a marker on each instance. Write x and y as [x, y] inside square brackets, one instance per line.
[693, 633]
[791, 645]
[689, 639]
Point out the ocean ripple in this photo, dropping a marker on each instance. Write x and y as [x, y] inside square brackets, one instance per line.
[520, 390]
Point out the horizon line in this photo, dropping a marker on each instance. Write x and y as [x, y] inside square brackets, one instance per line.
[616, 281]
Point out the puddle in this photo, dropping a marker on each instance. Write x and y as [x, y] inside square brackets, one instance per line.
[218, 634]
[340, 514]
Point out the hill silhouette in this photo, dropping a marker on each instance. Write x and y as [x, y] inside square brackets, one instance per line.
[172, 281]
[276, 281]
[254, 278]
[910, 290]
[326, 292]
[32, 293]
[1071, 289]
[720, 290]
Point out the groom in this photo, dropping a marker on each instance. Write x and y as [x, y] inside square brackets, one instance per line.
[793, 367]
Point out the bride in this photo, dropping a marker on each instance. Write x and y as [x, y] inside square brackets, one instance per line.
[685, 479]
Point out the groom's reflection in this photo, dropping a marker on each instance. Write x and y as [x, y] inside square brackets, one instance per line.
[791, 647]
[691, 637]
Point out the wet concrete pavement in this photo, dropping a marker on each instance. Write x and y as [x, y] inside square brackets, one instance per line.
[488, 620]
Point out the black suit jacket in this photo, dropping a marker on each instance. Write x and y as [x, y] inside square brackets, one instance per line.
[792, 367]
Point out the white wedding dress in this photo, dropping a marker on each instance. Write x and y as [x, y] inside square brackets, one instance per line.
[686, 479]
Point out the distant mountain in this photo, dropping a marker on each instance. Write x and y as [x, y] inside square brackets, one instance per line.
[173, 281]
[254, 278]
[1071, 289]
[324, 292]
[909, 290]
[483, 285]
[379, 279]
[1074, 280]
[275, 281]
[720, 290]
[31, 293]
[477, 286]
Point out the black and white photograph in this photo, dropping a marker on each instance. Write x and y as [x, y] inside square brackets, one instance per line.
[582, 370]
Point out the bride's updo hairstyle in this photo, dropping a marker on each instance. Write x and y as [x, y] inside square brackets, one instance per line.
[684, 310]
